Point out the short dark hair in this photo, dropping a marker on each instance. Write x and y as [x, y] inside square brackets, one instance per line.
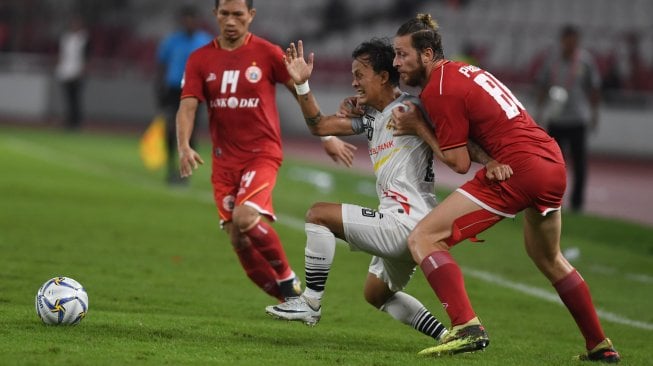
[569, 30]
[379, 54]
[424, 34]
[249, 3]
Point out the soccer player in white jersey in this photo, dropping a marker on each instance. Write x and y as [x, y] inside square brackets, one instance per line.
[405, 186]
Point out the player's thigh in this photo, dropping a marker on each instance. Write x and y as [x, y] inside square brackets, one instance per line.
[394, 272]
[542, 234]
[257, 182]
[437, 225]
[327, 214]
[225, 187]
[374, 232]
[542, 241]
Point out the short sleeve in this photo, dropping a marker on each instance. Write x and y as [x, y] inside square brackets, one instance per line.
[192, 82]
[447, 113]
[279, 71]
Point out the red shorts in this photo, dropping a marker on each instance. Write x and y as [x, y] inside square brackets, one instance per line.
[251, 186]
[536, 182]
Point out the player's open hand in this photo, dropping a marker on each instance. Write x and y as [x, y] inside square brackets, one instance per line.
[299, 69]
[340, 151]
[350, 108]
[188, 161]
[407, 120]
[496, 171]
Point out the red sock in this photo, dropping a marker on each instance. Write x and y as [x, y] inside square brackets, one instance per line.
[267, 242]
[446, 279]
[259, 271]
[575, 294]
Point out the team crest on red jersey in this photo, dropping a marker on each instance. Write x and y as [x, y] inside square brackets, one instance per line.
[228, 203]
[253, 74]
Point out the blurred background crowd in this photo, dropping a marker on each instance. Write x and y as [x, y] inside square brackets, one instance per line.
[510, 38]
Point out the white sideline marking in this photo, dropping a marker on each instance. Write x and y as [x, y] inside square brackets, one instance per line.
[74, 162]
[549, 296]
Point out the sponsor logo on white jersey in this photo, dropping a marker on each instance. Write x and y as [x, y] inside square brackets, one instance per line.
[381, 147]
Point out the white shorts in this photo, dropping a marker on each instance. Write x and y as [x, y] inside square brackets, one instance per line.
[380, 233]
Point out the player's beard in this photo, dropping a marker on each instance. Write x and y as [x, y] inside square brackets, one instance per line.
[417, 76]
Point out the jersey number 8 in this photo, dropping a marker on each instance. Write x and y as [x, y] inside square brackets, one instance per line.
[503, 96]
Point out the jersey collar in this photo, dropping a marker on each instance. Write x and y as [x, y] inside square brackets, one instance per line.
[248, 37]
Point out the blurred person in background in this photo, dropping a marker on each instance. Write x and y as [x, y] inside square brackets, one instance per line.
[74, 49]
[569, 85]
[465, 102]
[171, 56]
[236, 76]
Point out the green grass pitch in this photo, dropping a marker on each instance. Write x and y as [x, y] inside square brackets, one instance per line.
[165, 287]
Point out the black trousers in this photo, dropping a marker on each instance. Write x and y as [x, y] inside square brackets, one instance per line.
[170, 107]
[72, 94]
[572, 139]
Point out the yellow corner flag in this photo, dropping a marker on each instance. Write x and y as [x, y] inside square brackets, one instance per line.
[152, 146]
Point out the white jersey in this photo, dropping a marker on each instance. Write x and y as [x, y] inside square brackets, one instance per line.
[403, 165]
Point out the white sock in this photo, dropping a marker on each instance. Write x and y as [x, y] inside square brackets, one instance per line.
[318, 257]
[410, 311]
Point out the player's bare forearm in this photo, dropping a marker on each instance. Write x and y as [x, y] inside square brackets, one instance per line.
[186, 121]
[477, 154]
[317, 123]
[457, 159]
[426, 134]
[188, 158]
[310, 110]
[494, 169]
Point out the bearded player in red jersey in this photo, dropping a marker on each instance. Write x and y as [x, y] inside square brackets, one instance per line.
[236, 75]
[465, 102]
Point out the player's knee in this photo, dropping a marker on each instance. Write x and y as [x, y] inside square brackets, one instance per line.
[413, 241]
[316, 214]
[375, 298]
[244, 217]
[237, 240]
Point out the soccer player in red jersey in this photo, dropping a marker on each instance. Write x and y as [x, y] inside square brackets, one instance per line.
[465, 102]
[235, 75]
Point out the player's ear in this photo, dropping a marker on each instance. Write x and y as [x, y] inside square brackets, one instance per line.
[427, 55]
[385, 76]
[252, 12]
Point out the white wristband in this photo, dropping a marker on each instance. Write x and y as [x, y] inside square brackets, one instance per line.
[302, 88]
[326, 138]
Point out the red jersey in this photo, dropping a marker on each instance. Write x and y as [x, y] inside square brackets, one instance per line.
[465, 102]
[239, 87]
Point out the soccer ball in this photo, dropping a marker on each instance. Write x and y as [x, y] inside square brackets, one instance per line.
[61, 301]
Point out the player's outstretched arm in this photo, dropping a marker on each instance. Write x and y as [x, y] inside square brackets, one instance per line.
[188, 158]
[300, 71]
